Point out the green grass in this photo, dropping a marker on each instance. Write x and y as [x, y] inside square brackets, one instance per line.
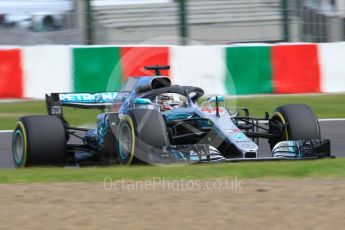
[325, 106]
[332, 168]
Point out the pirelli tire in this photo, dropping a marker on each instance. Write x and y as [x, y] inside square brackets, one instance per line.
[297, 122]
[38, 140]
[140, 131]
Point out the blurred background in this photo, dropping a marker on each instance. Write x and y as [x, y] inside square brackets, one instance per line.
[216, 22]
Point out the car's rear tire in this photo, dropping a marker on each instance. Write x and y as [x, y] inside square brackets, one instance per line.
[297, 122]
[139, 131]
[38, 140]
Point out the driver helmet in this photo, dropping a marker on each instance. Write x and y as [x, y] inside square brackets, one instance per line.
[169, 101]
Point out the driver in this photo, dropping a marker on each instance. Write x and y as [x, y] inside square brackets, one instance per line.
[169, 101]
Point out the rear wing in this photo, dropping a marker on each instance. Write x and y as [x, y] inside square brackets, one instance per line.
[102, 100]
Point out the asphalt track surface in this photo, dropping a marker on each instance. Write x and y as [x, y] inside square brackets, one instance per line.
[330, 129]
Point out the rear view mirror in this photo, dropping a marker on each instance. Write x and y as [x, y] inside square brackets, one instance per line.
[142, 101]
[215, 98]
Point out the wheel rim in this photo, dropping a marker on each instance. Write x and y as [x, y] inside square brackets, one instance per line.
[279, 123]
[125, 142]
[18, 147]
[278, 117]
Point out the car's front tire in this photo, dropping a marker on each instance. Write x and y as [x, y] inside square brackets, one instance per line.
[297, 122]
[140, 132]
[126, 141]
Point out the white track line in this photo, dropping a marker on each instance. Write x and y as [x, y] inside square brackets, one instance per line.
[333, 119]
[6, 131]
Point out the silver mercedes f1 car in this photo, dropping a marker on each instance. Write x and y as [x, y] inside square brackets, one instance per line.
[152, 121]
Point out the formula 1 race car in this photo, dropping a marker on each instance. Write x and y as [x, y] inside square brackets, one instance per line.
[152, 121]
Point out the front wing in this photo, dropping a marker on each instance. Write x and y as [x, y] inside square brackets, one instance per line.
[203, 153]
